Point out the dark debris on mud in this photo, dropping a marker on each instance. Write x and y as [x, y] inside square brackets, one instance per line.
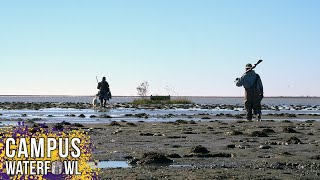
[151, 158]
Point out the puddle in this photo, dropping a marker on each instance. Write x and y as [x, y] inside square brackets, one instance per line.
[8, 123]
[110, 164]
[124, 164]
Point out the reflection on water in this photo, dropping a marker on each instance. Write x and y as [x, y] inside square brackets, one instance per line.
[109, 164]
[8, 123]
[56, 115]
[124, 164]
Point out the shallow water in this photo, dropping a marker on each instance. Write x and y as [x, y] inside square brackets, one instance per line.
[311, 101]
[109, 164]
[56, 115]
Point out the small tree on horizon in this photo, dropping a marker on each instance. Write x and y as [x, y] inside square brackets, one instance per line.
[143, 89]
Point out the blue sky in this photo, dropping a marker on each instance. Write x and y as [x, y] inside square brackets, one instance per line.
[181, 47]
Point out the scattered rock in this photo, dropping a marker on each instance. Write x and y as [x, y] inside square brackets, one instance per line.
[259, 134]
[29, 121]
[180, 121]
[289, 130]
[286, 121]
[264, 147]
[291, 115]
[133, 161]
[78, 125]
[154, 158]
[116, 132]
[286, 154]
[225, 155]
[141, 115]
[265, 157]
[268, 131]
[241, 121]
[234, 133]
[105, 116]
[199, 150]
[272, 143]
[317, 157]
[192, 122]
[158, 134]
[294, 140]
[131, 124]
[114, 123]
[177, 137]
[278, 165]
[146, 134]
[205, 117]
[65, 123]
[128, 157]
[82, 116]
[310, 121]
[243, 146]
[238, 116]
[43, 125]
[174, 155]
[176, 146]
[231, 146]
[58, 126]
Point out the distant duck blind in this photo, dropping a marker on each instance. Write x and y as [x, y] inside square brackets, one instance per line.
[159, 98]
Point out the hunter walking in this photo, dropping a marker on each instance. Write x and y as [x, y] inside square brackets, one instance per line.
[253, 91]
[104, 92]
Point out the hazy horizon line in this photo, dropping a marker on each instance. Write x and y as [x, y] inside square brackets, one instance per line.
[167, 95]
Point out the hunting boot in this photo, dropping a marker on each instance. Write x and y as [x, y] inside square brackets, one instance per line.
[259, 117]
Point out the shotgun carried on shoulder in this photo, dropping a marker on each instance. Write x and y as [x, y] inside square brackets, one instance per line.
[254, 66]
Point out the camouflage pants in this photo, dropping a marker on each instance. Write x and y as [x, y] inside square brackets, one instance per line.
[252, 103]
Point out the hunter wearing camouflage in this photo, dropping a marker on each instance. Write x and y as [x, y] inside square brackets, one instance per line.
[253, 92]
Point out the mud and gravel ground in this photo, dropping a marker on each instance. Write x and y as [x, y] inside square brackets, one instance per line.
[274, 155]
[235, 149]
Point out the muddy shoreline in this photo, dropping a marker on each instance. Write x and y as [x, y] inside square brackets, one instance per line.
[285, 145]
[81, 105]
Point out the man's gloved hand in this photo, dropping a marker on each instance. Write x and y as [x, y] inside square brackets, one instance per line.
[237, 79]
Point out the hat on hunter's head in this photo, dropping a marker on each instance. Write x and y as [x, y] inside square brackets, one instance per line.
[248, 66]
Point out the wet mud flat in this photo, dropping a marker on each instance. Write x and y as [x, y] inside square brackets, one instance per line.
[209, 150]
[189, 141]
[216, 149]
